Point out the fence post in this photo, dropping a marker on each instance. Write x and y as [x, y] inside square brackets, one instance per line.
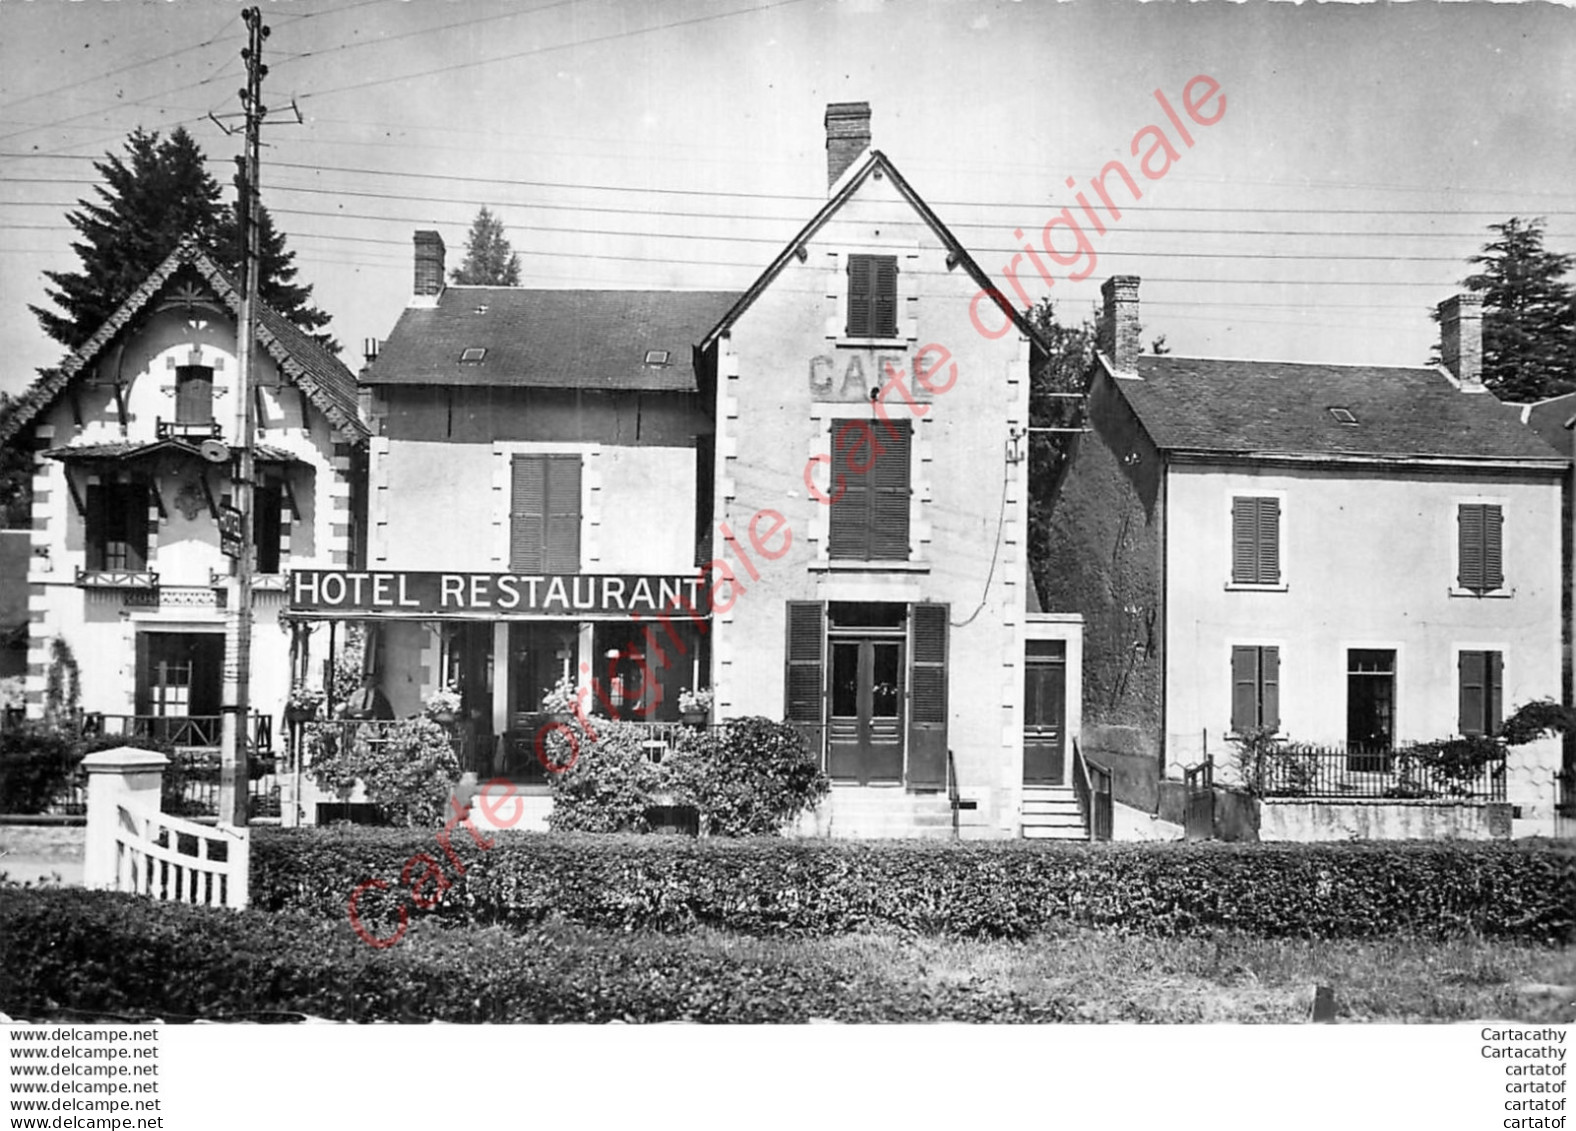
[122, 774]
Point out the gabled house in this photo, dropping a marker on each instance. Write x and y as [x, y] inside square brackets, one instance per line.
[870, 581]
[134, 436]
[1349, 558]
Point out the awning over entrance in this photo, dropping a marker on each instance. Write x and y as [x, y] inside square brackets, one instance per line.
[429, 595]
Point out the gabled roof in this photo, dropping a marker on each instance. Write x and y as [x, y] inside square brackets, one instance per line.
[550, 339]
[1273, 408]
[323, 377]
[850, 185]
[1551, 419]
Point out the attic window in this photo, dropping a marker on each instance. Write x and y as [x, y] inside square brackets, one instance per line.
[474, 354]
[656, 357]
[1343, 415]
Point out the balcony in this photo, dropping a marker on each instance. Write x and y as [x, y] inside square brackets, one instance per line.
[187, 429]
[145, 580]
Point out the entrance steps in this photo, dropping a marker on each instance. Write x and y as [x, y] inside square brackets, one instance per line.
[1050, 812]
[878, 813]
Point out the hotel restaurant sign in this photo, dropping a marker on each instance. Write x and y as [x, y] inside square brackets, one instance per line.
[403, 594]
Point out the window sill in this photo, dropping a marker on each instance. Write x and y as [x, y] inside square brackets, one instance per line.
[869, 567]
[1491, 594]
[844, 342]
[1244, 587]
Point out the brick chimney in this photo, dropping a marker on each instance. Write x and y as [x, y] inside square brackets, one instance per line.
[1118, 335]
[847, 136]
[1461, 339]
[429, 265]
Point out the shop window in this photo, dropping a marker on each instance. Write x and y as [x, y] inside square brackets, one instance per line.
[872, 296]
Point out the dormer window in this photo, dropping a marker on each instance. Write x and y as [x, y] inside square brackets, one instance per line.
[474, 355]
[872, 296]
[656, 357]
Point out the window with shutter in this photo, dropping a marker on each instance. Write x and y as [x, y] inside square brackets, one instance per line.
[1255, 540]
[927, 716]
[870, 466]
[544, 515]
[872, 296]
[194, 394]
[803, 686]
[1481, 684]
[1480, 533]
[1255, 688]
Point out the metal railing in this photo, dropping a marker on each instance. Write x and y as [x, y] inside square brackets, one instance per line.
[1092, 787]
[1400, 773]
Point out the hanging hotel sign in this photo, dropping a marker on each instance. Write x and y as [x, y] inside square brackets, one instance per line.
[404, 593]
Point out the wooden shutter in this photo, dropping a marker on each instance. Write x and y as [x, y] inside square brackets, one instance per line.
[889, 495]
[94, 531]
[1268, 541]
[528, 515]
[1469, 537]
[1255, 540]
[194, 394]
[563, 515]
[883, 299]
[1494, 670]
[860, 280]
[1244, 548]
[1269, 688]
[1474, 691]
[133, 504]
[848, 534]
[1493, 548]
[1244, 688]
[927, 709]
[804, 688]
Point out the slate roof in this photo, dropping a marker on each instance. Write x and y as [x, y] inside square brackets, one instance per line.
[1270, 408]
[323, 377]
[550, 339]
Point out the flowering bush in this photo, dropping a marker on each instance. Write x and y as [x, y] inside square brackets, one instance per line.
[444, 701]
[559, 699]
[408, 767]
[695, 702]
[304, 699]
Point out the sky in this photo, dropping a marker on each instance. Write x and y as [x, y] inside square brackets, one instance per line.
[1362, 151]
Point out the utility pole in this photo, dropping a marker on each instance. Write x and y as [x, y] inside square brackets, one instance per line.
[236, 736]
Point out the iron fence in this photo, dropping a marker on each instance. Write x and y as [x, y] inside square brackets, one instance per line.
[1418, 772]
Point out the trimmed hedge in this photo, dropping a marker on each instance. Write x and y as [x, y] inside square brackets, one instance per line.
[106, 955]
[1005, 889]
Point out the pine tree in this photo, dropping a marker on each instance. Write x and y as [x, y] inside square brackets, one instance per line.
[159, 192]
[276, 268]
[1529, 313]
[489, 260]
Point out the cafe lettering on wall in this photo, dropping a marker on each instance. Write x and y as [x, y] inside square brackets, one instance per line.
[861, 372]
[404, 593]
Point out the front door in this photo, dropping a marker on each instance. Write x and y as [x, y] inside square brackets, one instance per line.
[1045, 713]
[866, 696]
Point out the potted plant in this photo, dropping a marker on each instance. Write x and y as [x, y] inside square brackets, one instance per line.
[302, 703]
[442, 705]
[695, 706]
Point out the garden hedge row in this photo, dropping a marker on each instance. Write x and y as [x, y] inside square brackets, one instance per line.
[1011, 889]
[102, 956]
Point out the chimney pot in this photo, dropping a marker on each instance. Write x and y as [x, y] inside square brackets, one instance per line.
[1119, 329]
[847, 136]
[1461, 339]
[429, 265]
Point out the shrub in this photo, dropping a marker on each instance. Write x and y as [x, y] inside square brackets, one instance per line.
[748, 778]
[101, 954]
[1008, 889]
[36, 764]
[607, 785]
[409, 767]
[1539, 718]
